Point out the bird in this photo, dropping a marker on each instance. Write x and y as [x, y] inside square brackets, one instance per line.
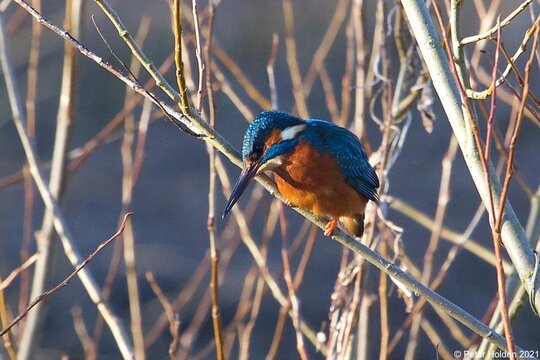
[317, 166]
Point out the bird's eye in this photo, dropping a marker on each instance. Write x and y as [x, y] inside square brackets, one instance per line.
[257, 153]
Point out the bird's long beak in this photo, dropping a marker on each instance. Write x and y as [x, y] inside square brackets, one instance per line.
[248, 173]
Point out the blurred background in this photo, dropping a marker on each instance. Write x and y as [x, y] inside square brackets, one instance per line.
[170, 198]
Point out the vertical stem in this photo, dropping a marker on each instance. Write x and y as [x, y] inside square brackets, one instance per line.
[508, 177]
[496, 228]
[214, 255]
[45, 236]
[443, 199]
[31, 93]
[180, 79]
[271, 73]
[383, 313]
[364, 317]
[6, 339]
[360, 64]
[115, 324]
[129, 238]
[512, 233]
[292, 60]
[293, 299]
[199, 55]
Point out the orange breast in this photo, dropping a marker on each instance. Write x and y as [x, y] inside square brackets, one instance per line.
[312, 180]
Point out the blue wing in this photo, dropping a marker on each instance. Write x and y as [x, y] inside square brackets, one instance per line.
[349, 153]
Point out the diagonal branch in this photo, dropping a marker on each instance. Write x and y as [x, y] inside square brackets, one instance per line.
[68, 279]
[493, 30]
[513, 235]
[57, 183]
[86, 277]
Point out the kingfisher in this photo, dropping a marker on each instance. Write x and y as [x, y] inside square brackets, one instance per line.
[317, 165]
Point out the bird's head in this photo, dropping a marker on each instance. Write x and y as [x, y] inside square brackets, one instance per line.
[270, 136]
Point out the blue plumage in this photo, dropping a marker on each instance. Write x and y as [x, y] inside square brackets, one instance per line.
[325, 136]
[317, 166]
[349, 153]
[260, 128]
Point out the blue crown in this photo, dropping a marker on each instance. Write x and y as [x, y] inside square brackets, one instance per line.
[262, 126]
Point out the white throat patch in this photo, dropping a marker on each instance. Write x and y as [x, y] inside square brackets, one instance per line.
[291, 132]
[271, 165]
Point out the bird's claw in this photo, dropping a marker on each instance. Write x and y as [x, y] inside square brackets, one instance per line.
[330, 227]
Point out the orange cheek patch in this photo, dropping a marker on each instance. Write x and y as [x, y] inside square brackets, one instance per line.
[274, 138]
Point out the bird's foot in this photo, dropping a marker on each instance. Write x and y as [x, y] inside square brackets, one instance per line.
[330, 226]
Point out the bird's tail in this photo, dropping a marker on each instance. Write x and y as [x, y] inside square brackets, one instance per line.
[354, 224]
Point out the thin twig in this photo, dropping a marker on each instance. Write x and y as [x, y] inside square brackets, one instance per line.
[383, 308]
[293, 299]
[198, 54]
[57, 182]
[278, 333]
[506, 21]
[361, 93]
[68, 279]
[239, 76]
[205, 77]
[270, 72]
[318, 58]
[60, 226]
[227, 88]
[13, 275]
[4, 320]
[425, 221]
[477, 94]
[165, 303]
[497, 218]
[173, 347]
[129, 240]
[88, 345]
[464, 128]
[29, 190]
[443, 199]
[135, 49]
[292, 59]
[512, 146]
[180, 79]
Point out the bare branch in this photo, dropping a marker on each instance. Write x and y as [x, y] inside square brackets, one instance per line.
[493, 30]
[512, 232]
[68, 279]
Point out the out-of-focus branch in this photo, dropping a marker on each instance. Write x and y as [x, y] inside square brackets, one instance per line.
[115, 325]
[317, 62]
[493, 30]
[512, 232]
[442, 203]
[511, 65]
[6, 340]
[292, 60]
[82, 332]
[67, 280]
[205, 77]
[57, 181]
[456, 238]
[294, 309]
[29, 190]
[13, 275]
[240, 77]
[136, 50]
